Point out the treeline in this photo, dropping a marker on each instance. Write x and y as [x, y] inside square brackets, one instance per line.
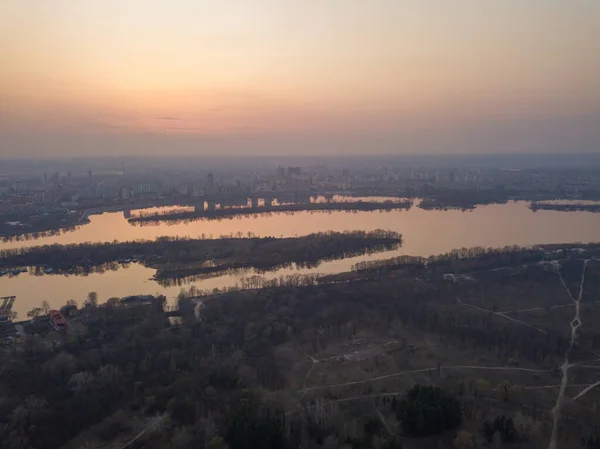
[30, 235]
[464, 259]
[463, 199]
[231, 212]
[254, 282]
[576, 207]
[219, 219]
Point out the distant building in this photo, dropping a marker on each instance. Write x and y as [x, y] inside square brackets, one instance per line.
[54, 179]
[210, 180]
[145, 188]
[125, 192]
[89, 192]
[90, 175]
[293, 171]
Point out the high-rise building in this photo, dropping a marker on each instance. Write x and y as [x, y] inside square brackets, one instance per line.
[293, 171]
[210, 179]
[69, 178]
[90, 175]
[54, 179]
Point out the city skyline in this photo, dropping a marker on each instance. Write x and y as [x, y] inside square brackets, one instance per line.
[290, 78]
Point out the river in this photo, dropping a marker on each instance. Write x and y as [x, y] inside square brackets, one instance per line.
[425, 233]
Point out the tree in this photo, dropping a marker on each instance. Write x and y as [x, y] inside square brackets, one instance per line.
[34, 313]
[250, 425]
[82, 383]
[428, 411]
[502, 429]
[60, 368]
[45, 306]
[92, 300]
[183, 411]
[464, 440]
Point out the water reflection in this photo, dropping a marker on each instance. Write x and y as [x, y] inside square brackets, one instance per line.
[425, 233]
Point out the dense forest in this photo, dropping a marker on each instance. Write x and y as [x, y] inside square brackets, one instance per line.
[388, 362]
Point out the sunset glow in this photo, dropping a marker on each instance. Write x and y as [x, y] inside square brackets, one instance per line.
[245, 76]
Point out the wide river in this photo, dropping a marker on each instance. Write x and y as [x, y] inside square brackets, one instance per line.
[425, 233]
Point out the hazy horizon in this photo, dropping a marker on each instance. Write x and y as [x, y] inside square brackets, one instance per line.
[292, 78]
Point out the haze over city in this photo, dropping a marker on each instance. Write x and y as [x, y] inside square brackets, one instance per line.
[298, 78]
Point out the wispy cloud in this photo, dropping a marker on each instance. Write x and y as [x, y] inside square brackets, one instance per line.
[167, 118]
[180, 128]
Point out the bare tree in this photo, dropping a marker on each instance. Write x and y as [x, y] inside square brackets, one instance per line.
[34, 313]
[92, 300]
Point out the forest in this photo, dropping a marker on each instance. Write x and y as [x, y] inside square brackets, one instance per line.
[394, 361]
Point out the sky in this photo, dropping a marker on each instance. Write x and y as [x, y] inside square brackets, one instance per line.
[290, 77]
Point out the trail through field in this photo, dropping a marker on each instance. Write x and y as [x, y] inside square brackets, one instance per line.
[535, 309]
[587, 390]
[575, 324]
[312, 367]
[503, 315]
[423, 370]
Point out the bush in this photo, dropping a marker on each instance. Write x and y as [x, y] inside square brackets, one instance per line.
[113, 426]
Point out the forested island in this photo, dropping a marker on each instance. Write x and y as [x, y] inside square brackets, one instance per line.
[472, 360]
[292, 207]
[176, 258]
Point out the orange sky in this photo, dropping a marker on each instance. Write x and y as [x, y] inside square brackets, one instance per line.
[277, 76]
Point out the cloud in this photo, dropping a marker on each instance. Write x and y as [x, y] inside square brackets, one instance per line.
[180, 128]
[167, 118]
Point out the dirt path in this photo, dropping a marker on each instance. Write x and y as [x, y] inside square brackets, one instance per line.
[586, 391]
[575, 324]
[423, 370]
[503, 315]
[535, 309]
[314, 363]
[155, 424]
[545, 387]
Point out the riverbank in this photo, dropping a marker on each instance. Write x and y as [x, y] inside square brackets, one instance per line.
[574, 207]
